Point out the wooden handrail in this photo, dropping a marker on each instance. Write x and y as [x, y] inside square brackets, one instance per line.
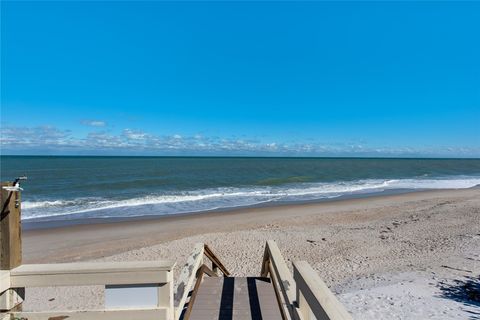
[91, 273]
[314, 297]
[187, 277]
[283, 305]
[194, 268]
[215, 260]
[274, 265]
[302, 295]
[204, 269]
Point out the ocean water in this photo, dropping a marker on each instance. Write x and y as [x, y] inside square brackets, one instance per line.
[70, 188]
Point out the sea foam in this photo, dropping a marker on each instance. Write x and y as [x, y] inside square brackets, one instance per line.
[224, 198]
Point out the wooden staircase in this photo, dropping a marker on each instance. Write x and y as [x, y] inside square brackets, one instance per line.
[227, 298]
[275, 294]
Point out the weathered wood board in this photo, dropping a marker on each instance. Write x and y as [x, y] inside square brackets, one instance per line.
[10, 228]
[236, 298]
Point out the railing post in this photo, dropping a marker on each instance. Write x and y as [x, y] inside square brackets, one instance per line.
[10, 243]
[165, 295]
[10, 229]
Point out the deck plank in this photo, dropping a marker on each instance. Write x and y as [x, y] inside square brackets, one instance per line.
[236, 298]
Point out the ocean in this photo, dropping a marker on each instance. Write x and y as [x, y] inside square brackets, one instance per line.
[72, 188]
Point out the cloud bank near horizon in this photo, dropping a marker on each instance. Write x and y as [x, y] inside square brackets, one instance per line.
[50, 140]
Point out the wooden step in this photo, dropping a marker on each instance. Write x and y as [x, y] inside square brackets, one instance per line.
[239, 298]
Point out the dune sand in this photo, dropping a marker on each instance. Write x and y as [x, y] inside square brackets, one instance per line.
[407, 256]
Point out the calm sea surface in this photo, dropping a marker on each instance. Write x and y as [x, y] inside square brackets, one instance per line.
[66, 188]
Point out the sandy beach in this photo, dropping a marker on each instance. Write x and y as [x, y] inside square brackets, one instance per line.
[406, 256]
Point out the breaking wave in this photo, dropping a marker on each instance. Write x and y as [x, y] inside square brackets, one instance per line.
[224, 198]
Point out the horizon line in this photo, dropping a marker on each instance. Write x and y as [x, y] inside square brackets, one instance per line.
[244, 156]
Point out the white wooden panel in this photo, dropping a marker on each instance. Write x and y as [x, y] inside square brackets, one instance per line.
[131, 296]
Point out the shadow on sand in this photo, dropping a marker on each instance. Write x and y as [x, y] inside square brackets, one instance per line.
[465, 291]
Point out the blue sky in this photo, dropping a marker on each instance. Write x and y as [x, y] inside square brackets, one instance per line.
[228, 78]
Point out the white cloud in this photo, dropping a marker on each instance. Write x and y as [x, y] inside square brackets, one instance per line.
[48, 138]
[94, 123]
[28, 137]
[134, 134]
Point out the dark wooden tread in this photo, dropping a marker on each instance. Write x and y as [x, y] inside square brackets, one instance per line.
[238, 298]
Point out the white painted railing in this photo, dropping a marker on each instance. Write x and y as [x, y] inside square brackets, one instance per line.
[274, 265]
[133, 290]
[303, 296]
[314, 299]
[191, 276]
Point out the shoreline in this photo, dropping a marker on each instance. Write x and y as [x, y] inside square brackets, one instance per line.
[57, 221]
[81, 241]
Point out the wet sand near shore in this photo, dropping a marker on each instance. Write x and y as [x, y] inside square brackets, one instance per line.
[91, 241]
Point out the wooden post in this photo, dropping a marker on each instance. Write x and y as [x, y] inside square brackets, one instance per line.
[314, 298]
[165, 295]
[10, 229]
[214, 268]
[10, 245]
